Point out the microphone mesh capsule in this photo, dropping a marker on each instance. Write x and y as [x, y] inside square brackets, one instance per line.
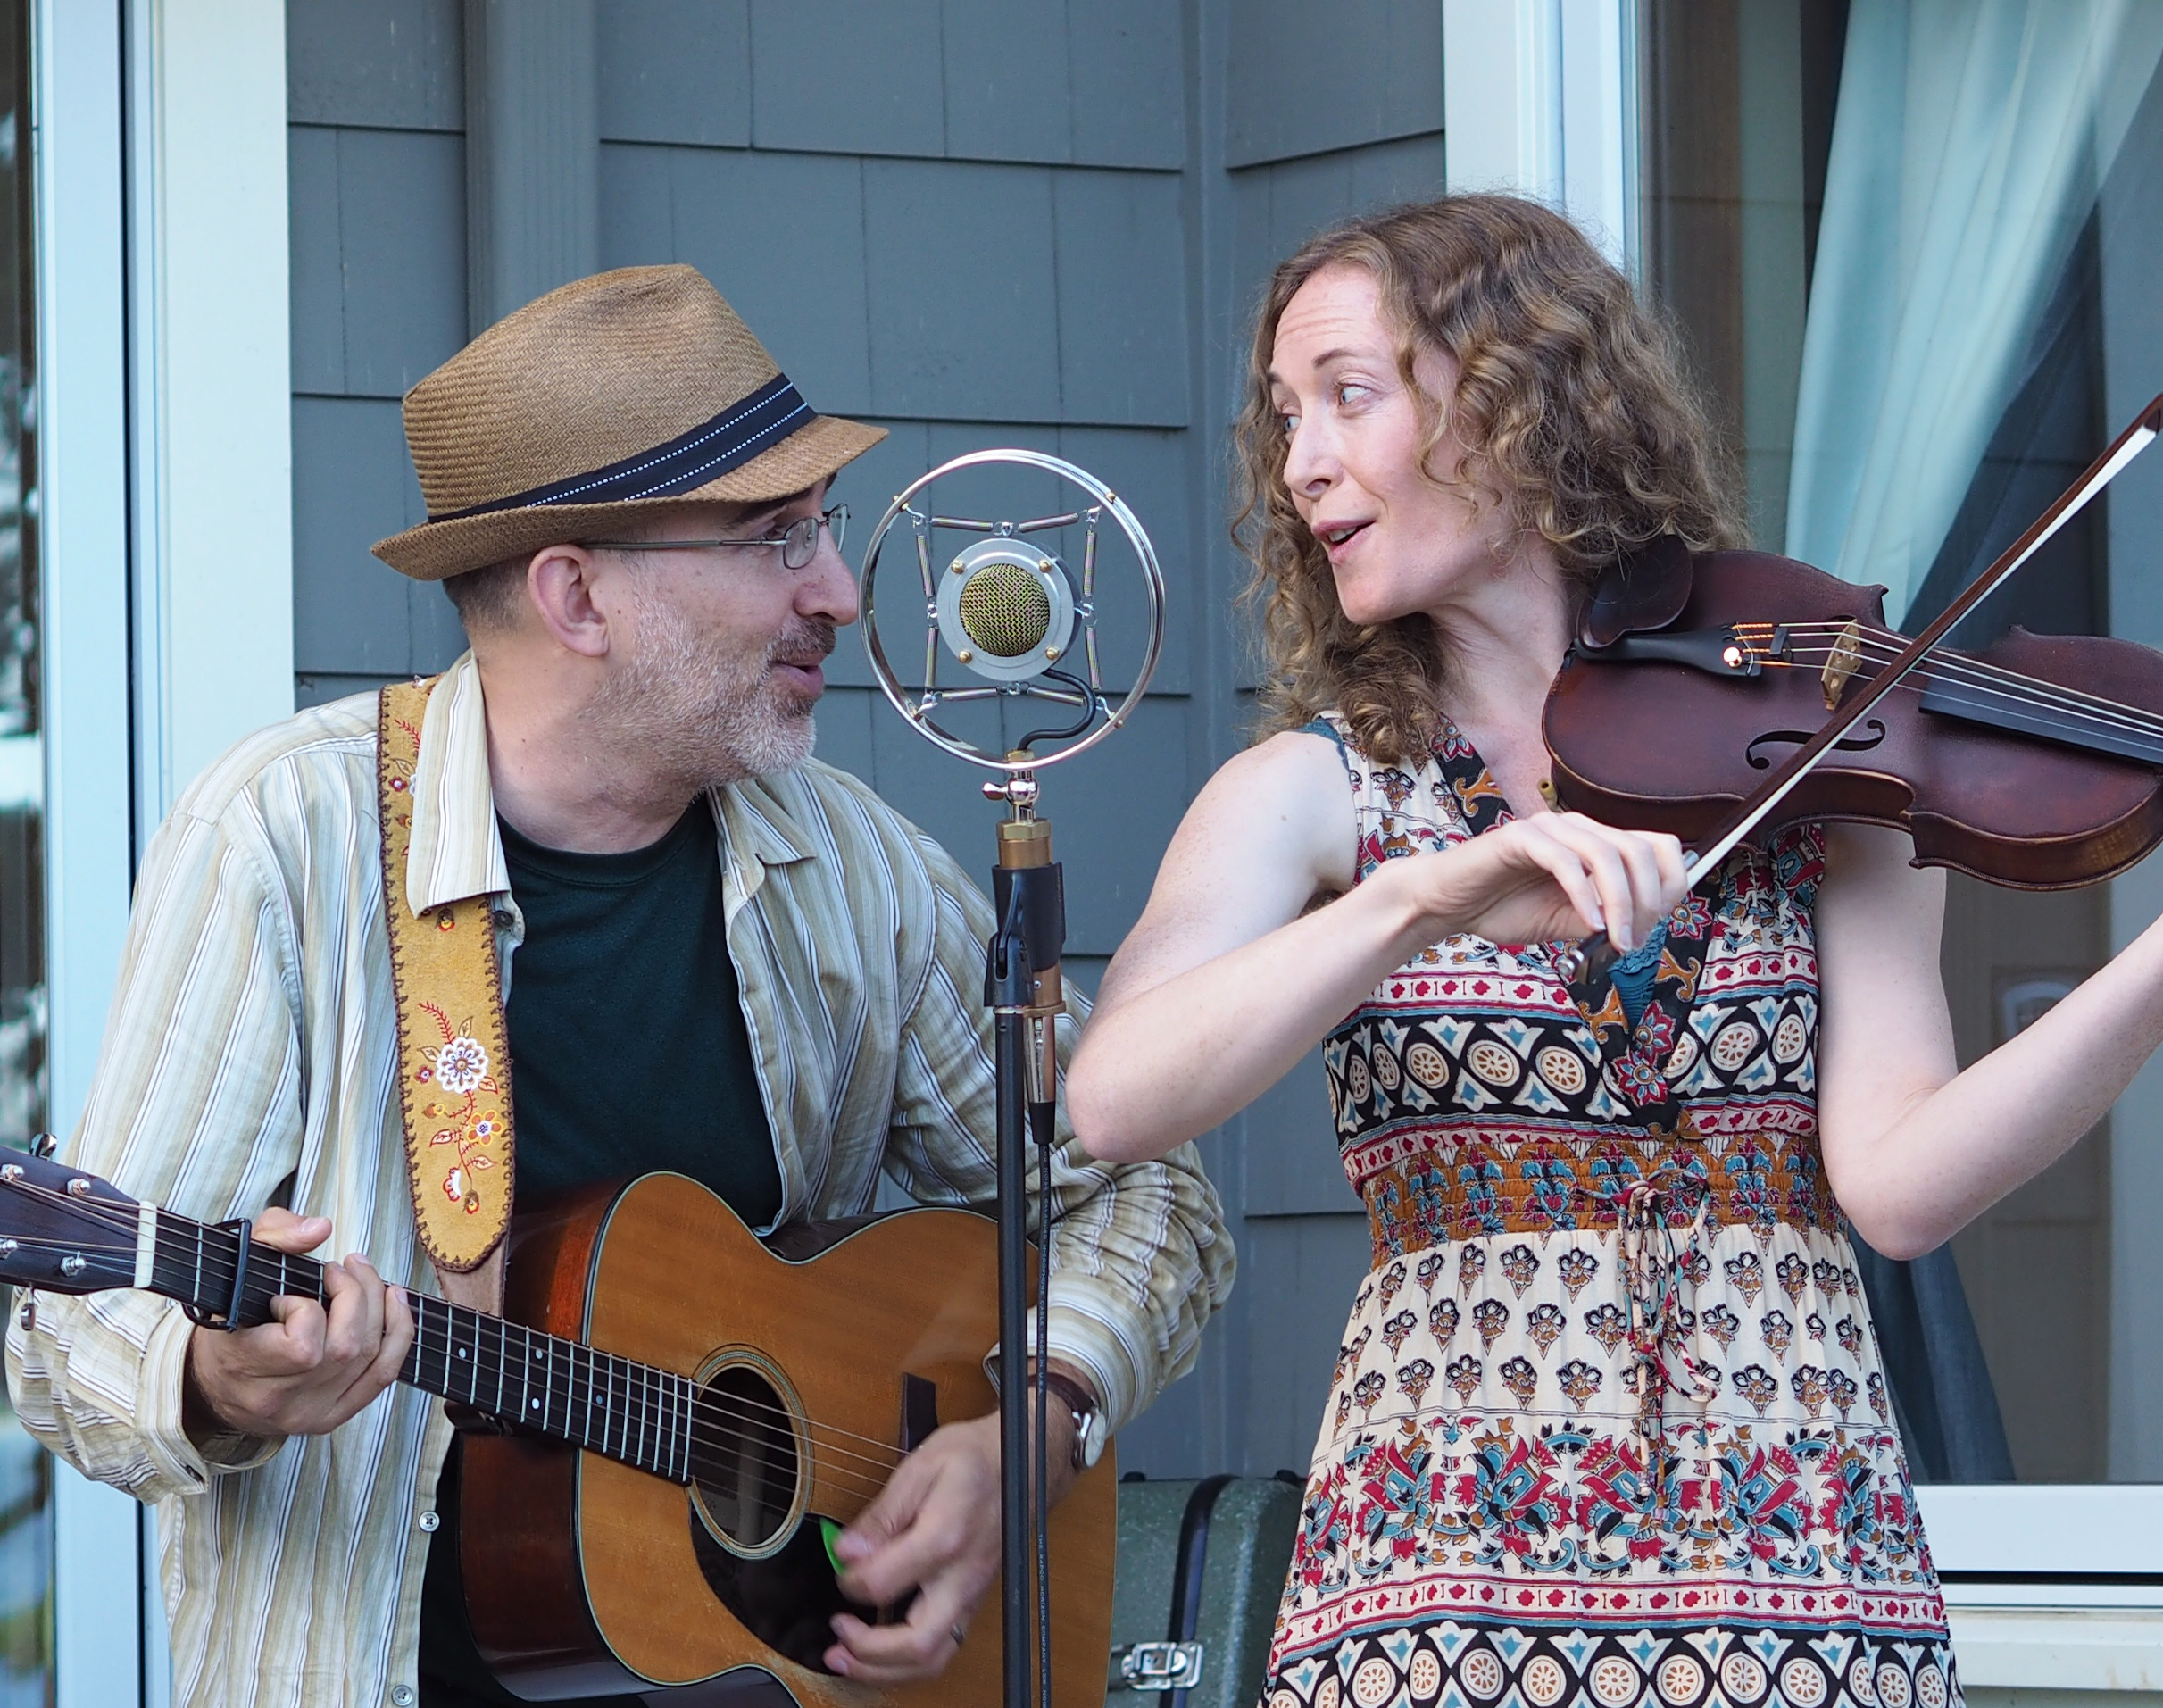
[1005, 609]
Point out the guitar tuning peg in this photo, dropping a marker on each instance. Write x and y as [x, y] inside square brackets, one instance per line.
[25, 1313]
[43, 1144]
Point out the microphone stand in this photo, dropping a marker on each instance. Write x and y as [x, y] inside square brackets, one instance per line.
[1023, 990]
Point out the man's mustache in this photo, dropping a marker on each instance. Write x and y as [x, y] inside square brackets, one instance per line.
[810, 643]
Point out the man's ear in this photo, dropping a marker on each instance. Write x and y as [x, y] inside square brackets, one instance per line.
[560, 585]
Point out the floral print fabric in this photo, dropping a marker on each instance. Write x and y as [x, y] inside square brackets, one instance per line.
[1608, 1424]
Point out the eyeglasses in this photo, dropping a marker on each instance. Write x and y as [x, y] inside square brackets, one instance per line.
[799, 541]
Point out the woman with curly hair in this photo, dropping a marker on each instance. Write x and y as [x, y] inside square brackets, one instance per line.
[1608, 1422]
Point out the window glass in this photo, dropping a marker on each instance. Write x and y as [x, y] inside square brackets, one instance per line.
[1919, 278]
[25, 1512]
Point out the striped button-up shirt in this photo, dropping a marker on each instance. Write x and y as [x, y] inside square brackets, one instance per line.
[251, 1058]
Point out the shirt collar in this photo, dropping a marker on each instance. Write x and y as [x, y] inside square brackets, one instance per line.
[456, 852]
[756, 817]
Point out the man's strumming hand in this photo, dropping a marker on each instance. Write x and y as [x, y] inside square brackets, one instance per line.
[934, 1530]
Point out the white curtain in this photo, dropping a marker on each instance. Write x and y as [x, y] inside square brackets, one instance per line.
[1968, 146]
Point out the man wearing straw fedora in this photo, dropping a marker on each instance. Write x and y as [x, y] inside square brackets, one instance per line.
[729, 959]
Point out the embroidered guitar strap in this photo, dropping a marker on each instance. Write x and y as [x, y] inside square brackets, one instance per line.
[453, 1054]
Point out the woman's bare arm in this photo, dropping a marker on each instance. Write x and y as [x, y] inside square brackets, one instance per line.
[1232, 974]
[1913, 1149]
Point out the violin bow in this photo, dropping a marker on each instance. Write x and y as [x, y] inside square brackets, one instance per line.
[1595, 954]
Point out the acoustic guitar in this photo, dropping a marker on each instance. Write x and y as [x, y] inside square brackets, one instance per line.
[690, 1414]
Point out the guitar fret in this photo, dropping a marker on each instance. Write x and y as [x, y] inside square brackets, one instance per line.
[575, 1418]
[461, 1345]
[608, 1395]
[446, 1332]
[586, 1420]
[689, 1396]
[677, 1436]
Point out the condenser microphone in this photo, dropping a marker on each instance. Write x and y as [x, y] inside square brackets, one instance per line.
[1005, 610]
[1009, 610]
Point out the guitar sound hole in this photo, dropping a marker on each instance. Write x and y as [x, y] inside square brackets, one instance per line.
[746, 1473]
[786, 1600]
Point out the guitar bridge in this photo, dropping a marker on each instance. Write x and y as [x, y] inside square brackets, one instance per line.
[920, 1411]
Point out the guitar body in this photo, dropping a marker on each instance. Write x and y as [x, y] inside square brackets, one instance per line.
[587, 1577]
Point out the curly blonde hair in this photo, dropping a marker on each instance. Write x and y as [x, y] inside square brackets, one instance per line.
[1571, 404]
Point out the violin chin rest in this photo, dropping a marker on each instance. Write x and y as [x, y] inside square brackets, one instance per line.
[1646, 589]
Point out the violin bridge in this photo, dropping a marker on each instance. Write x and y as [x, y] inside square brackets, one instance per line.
[1845, 660]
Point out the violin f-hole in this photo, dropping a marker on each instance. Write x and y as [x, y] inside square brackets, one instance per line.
[1855, 743]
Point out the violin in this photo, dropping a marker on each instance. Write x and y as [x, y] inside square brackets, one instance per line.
[2036, 763]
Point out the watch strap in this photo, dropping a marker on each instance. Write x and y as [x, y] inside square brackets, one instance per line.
[1082, 1404]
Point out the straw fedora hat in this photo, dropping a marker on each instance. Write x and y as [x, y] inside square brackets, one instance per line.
[624, 393]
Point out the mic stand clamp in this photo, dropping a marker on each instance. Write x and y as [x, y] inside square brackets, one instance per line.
[1023, 989]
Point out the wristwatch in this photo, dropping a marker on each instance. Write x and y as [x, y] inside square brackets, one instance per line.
[1089, 1437]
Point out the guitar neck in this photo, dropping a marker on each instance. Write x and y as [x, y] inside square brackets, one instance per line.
[634, 1412]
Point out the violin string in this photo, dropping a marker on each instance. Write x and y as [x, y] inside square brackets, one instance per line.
[2073, 710]
[1978, 674]
[123, 1220]
[1883, 644]
[2069, 722]
[1992, 681]
[1880, 645]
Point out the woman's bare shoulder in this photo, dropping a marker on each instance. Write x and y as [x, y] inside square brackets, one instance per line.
[1284, 803]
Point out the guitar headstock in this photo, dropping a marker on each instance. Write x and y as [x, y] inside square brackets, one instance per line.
[65, 1231]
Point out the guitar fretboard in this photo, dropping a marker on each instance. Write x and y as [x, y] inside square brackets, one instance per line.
[636, 1413]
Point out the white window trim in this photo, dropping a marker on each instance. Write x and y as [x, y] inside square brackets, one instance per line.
[210, 367]
[82, 420]
[2062, 1532]
[165, 357]
[1564, 127]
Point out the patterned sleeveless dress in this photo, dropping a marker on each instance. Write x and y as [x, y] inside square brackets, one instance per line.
[1608, 1427]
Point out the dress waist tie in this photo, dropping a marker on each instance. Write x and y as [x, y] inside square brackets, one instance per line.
[1653, 1265]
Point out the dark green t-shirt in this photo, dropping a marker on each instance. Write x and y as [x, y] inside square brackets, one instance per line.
[629, 1050]
[629, 1054]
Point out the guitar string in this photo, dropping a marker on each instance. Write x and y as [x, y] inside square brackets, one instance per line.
[700, 1414]
[737, 1410]
[695, 1433]
[1876, 646]
[217, 1269]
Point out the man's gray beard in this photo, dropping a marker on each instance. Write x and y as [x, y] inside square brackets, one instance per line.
[699, 717]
